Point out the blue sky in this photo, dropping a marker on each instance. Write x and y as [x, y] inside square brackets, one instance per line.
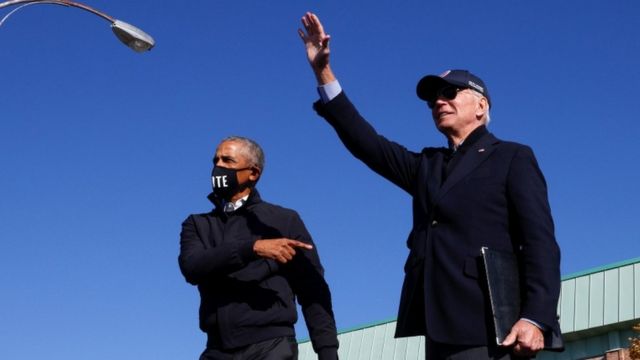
[105, 151]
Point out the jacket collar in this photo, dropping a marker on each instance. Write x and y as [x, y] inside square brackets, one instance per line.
[254, 198]
[471, 139]
[475, 155]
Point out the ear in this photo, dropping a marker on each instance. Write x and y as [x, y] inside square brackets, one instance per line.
[481, 110]
[255, 174]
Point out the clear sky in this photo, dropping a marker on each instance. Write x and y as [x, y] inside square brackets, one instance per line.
[104, 151]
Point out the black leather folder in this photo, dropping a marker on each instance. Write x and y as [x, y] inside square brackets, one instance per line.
[503, 281]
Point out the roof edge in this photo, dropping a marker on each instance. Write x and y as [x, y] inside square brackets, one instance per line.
[601, 268]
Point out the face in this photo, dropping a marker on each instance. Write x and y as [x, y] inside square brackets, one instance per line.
[229, 155]
[458, 115]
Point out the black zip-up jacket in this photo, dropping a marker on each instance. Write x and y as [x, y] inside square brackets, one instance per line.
[246, 299]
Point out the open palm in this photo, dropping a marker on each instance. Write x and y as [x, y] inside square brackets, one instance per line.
[315, 41]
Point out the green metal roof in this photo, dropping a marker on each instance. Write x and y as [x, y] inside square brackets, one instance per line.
[597, 308]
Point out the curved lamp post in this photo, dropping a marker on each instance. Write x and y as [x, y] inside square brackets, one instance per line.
[130, 35]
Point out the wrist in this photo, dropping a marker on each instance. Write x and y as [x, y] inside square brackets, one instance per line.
[324, 75]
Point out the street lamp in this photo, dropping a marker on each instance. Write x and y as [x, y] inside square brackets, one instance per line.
[130, 35]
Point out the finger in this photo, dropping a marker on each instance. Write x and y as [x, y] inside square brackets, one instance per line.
[510, 339]
[284, 253]
[300, 244]
[308, 23]
[315, 23]
[281, 259]
[289, 250]
[288, 253]
[312, 23]
[522, 351]
[303, 36]
[517, 350]
[524, 346]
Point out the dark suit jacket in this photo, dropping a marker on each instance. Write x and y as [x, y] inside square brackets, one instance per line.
[496, 197]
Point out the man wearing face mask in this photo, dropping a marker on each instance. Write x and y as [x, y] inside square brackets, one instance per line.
[250, 260]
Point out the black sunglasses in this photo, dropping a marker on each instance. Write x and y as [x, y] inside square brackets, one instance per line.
[447, 92]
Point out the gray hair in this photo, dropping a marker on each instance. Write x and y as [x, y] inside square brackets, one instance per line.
[487, 116]
[250, 149]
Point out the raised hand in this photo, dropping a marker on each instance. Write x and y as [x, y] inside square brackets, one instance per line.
[282, 250]
[316, 42]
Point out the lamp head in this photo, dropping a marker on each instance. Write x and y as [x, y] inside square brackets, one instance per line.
[133, 37]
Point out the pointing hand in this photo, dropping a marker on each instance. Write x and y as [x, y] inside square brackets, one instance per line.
[282, 250]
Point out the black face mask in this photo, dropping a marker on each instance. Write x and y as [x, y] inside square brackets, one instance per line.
[225, 182]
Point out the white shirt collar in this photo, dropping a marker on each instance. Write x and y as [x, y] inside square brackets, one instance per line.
[231, 206]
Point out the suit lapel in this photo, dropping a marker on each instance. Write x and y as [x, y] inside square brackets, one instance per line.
[475, 156]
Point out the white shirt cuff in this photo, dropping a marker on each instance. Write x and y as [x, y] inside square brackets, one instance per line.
[538, 325]
[329, 91]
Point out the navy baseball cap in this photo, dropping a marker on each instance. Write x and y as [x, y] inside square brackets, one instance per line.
[429, 85]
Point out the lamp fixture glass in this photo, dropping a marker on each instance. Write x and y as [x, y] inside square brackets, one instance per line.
[133, 37]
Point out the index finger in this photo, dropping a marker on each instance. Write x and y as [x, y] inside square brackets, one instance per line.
[300, 244]
[315, 21]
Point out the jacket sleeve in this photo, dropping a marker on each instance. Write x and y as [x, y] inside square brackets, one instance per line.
[389, 159]
[307, 280]
[531, 217]
[199, 260]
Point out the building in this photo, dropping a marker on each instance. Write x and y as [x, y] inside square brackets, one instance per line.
[597, 309]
